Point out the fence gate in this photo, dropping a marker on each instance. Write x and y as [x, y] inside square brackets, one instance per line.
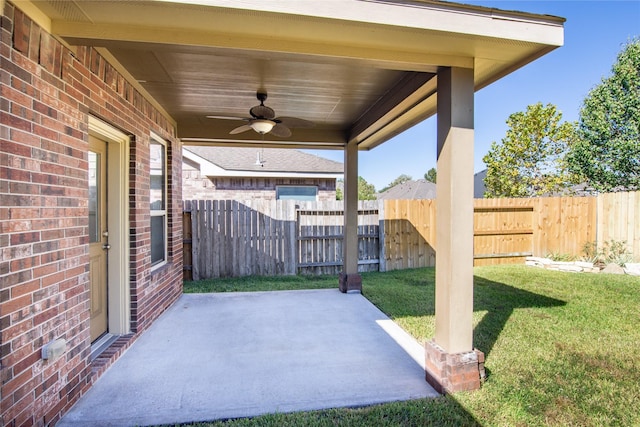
[319, 235]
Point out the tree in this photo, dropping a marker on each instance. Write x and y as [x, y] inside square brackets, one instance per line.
[366, 191]
[431, 175]
[607, 153]
[399, 180]
[339, 194]
[530, 159]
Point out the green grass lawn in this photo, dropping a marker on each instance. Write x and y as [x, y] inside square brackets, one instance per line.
[561, 348]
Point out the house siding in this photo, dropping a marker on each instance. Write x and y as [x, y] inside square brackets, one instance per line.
[198, 187]
[47, 94]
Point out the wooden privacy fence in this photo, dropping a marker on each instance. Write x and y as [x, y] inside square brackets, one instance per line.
[505, 231]
[618, 216]
[320, 236]
[229, 238]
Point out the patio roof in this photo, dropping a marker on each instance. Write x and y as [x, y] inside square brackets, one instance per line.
[362, 71]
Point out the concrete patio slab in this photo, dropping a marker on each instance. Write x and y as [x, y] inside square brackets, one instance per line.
[228, 355]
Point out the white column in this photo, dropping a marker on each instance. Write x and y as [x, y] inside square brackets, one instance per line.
[350, 279]
[454, 211]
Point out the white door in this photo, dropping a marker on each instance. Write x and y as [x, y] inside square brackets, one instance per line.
[98, 234]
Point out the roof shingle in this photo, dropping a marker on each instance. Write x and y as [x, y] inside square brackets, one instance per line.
[275, 159]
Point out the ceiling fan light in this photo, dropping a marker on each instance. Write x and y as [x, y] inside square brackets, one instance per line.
[262, 126]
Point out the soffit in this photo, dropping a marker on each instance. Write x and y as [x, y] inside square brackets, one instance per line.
[362, 71]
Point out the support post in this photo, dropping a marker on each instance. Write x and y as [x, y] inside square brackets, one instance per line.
[452, 364]
[350, 280]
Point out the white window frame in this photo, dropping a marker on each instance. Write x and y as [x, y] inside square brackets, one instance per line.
[278, 187]
[155, 139]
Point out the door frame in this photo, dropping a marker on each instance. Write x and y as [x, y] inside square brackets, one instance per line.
[118, 298]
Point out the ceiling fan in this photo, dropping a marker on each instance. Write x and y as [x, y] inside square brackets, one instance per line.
[263, 120]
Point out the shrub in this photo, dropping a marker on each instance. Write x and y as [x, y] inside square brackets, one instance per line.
[611, 252]
[558, 256]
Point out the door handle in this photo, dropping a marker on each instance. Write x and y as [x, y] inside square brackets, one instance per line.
[106, 246]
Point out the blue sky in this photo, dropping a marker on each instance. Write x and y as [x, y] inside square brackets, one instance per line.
[595, 32]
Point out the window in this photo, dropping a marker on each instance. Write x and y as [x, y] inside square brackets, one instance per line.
[305, 193]
[158, 201]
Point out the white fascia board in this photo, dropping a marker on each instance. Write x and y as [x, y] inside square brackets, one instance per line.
[427, 15]
[211, 170]
[206, 167]
[272, 174]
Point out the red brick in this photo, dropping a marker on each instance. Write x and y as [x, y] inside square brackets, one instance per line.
[53, 414]
[52, 279]
[14, 383]
[15, 304]
[21, 30]
[47, 52]
[25, 288]
[45, 316]
[51, 257]
[16, 355]
[46, 224]
[21, 81]
[16, 96]
[24, 213]
[19, 410]
[15, 226]
[28, 237]
[23, 364]
[25, 419]
[14, 174]
[17, 122]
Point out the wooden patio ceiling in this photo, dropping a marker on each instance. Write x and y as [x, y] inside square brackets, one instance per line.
[362, 71]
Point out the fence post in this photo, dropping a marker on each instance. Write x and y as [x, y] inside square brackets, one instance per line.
[196, 240]
[382, 253]
[291, 240]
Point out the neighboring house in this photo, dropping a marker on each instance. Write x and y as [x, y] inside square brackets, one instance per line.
[423, 189]
[418, 189]
[243, 173]
[577, 190]
[479, 189]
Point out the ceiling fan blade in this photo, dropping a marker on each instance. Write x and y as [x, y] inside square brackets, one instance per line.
[294, 122]
[262, 112]
[226, 117]
[281, 130]
[240, 129]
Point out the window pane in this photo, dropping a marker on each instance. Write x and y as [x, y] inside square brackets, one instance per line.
[157, 239]
[157, 170]
[94, 197]
[303, 193]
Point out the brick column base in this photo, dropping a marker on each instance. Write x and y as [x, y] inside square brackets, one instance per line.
[350, 283]
[450, 373]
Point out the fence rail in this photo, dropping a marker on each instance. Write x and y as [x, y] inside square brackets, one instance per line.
[230, 238]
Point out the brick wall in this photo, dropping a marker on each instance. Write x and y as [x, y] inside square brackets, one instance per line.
[47, 95]
[198, 187]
